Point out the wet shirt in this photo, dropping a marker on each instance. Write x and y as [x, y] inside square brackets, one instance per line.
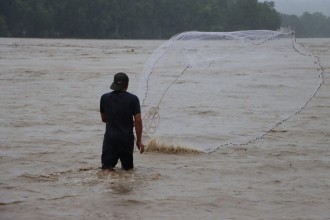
[119, 108]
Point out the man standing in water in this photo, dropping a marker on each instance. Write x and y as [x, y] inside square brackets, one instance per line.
[118, 108]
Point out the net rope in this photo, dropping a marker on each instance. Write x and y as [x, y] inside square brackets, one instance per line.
[152, 117]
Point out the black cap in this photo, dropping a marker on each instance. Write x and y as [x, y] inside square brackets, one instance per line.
[120, 80]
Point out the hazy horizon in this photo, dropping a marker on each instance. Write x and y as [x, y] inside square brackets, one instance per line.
[298, 7]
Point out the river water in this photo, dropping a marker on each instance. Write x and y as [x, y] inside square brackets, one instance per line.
[260, 166]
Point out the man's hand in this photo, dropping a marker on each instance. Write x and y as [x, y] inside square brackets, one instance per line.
[140, 146]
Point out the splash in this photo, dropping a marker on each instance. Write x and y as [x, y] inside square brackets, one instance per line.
[155, 146]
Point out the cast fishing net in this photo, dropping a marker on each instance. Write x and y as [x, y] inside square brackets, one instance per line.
[207, 90]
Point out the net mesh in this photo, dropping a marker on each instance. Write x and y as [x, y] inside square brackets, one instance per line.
[208, 90]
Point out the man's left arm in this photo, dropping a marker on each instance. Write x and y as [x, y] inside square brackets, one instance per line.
[102, 112]
[103, 117]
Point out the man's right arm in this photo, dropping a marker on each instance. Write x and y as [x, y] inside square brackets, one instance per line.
[138, 131]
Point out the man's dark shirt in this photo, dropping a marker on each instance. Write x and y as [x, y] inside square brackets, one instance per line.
[119, 108]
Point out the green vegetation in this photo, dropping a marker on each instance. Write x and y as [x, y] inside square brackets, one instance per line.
[149, 19]
[146, 19]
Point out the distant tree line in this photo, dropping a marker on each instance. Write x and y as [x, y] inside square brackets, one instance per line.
[308, 25]
[148, 19]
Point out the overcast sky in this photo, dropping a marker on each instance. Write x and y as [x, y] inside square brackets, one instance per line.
[298, 7]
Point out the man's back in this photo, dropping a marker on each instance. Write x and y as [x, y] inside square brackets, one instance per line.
[119, 108]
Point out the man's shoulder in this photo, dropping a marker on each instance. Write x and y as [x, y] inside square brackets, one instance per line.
[131, 94]
[126, 94]
[107, 94]
[133, 97]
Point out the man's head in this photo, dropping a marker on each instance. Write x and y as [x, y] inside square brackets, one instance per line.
[120, 82]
